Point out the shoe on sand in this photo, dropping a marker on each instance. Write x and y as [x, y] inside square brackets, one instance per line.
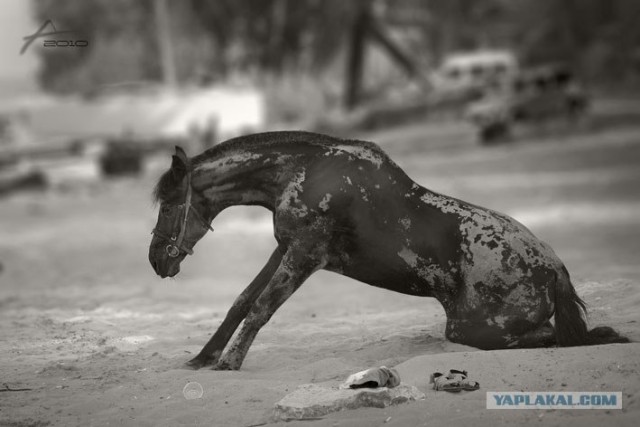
[373, 378]
[453, 381]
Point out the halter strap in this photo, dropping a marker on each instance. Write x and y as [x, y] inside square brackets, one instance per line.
[187, 206]
[175, 246]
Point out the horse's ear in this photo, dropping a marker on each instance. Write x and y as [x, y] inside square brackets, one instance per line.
[179, 164]
[182, 155]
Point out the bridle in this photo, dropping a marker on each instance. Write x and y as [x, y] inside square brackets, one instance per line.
[173, 249]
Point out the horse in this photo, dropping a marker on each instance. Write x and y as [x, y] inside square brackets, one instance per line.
[345, 206]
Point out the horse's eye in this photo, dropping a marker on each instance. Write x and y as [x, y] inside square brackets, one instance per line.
[165, 210]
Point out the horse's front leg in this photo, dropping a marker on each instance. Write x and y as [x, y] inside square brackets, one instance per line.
[211, 352]
[296, 266]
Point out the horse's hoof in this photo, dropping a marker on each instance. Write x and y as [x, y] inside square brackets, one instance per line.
[198, 362]
[225, 366]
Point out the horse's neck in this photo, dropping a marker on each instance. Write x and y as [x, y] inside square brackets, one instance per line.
[239, 178]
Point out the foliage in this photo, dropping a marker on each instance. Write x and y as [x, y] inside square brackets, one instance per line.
[222, 38]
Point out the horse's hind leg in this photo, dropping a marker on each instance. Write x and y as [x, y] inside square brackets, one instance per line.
[493, 337]
[544, 336]
[211, 352]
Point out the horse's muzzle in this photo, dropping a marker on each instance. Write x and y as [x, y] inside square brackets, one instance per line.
[165, 266]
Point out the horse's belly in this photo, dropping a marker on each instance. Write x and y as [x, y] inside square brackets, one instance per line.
[384, 272]
[403, 284]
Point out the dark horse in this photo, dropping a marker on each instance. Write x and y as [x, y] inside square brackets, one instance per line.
[345, 206]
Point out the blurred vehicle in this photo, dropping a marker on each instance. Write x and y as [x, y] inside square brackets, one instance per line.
[465, 77]
[533, 97]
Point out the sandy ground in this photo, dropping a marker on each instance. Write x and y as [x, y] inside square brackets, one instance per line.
[97, 339]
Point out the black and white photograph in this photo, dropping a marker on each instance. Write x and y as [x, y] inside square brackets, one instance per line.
[331, 213]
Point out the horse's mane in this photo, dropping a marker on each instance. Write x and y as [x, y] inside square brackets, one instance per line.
[166, 185]
[279, 138]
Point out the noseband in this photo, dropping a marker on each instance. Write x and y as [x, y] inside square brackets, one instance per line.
[173, 249]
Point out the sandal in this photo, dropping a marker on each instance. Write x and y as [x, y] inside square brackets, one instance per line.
[453, 381]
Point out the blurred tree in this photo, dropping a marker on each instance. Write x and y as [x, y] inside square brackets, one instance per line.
[121, 46]
[275, 35]
[214, 39]
[597, 37]
[457, 25]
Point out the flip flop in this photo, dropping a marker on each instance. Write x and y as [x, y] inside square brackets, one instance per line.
[465, 383]
[453, 381]
[470, 385]
[442, 383]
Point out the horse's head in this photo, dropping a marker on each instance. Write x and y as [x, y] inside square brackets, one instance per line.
[183, 219]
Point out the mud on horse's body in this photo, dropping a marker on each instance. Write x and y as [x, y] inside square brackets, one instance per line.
[345, 206]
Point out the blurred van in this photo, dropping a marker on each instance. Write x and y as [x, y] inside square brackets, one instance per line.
[475, 70]
[533, 97]
[466, 77]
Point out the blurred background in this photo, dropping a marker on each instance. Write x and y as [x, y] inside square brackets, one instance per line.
[530, 107]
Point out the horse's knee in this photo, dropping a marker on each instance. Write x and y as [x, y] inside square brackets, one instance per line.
[258, 316]
[484, 337]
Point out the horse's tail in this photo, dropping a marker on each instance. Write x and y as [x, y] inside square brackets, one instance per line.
[571, 326]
